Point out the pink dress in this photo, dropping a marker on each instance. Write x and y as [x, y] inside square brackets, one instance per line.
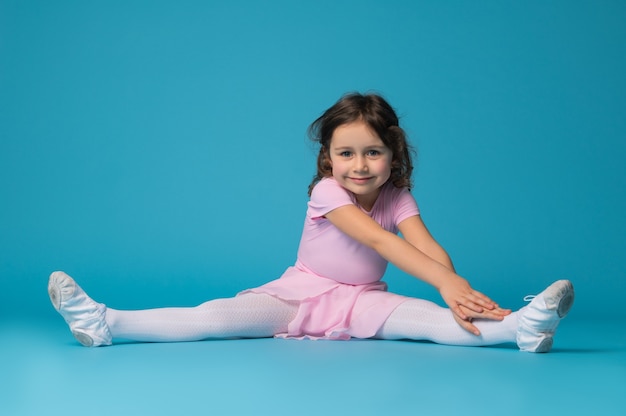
[336, 280]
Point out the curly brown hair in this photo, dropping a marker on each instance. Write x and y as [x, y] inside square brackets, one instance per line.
[376, 112]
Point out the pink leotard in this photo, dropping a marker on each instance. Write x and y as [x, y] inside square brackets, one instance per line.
[336, 280]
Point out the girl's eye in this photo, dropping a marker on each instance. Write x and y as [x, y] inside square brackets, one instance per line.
[373, 153]
[345, 154]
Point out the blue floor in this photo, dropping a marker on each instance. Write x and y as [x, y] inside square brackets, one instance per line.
[45, 371]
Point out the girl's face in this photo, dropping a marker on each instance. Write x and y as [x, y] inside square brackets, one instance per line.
[360, 161]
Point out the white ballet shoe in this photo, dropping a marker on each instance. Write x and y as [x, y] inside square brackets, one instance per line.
[84, 316]
[539, 319]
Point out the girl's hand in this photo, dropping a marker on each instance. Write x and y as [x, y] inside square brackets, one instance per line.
[496, 314]
[467, 303]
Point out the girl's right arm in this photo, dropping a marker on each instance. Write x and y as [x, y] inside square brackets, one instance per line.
[455, 290]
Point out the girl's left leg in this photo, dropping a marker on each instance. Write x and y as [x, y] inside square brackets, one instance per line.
[422, 320]
[532, 328]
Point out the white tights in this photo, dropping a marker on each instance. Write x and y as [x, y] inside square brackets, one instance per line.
[247, 316]
[259, 315]
[421, 320]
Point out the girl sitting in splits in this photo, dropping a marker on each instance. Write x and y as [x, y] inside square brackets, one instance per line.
[359, 201]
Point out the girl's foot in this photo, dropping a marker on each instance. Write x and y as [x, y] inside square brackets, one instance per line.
[84, 316]
[538, 320]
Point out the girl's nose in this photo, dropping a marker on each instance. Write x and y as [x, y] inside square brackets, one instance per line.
[360, 164]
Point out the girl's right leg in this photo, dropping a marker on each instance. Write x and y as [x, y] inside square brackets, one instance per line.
[250, 315]
[247, 316]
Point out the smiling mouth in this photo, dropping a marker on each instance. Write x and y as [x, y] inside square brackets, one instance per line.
[361, 180]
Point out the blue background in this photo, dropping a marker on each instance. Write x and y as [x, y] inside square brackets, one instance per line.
[157, 151]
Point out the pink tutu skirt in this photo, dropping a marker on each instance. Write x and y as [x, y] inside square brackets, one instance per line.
[329, 309]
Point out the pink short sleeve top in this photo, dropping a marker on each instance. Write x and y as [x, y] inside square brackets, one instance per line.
[327, 252]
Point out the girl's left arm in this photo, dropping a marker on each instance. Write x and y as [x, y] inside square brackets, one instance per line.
[456, 291]
[415, 232]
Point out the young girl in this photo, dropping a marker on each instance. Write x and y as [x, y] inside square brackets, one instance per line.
[359, 201]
